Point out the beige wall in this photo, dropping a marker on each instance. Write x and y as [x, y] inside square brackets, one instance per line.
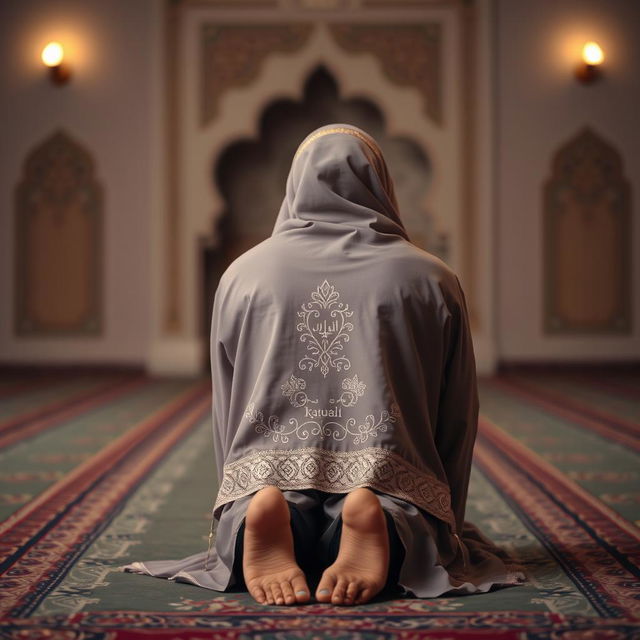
[539, 106]
[114, 107]
[109, 107]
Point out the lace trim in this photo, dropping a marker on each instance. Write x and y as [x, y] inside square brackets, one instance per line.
[336, 472]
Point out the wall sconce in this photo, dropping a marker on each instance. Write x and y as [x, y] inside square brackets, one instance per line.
[52, 56]
[587, 71]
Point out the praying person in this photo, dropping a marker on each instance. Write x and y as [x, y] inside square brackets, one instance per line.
[345, 403]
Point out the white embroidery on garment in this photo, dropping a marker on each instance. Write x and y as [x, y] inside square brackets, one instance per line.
[294, 388]
[336, 472]
[331, 429]
[325, 328]
[353, 389]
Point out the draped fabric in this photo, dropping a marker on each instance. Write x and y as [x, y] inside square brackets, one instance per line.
[342, 357]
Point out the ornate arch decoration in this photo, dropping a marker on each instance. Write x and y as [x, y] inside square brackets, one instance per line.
[58, 249]
[262, 78]
[409, 54]
[232, 55]
[258, 163]
[226, 80]
[587, 239]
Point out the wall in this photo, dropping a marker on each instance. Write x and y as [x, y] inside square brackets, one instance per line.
[110, 107]
[114, 107]
[539, 106]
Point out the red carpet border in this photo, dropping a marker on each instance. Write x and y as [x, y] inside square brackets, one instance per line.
[39, 541]
[596, 546]
[316, 622]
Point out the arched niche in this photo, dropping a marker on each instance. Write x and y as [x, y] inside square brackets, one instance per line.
[587, 239]
[251, 173]
[282, 77]
[58, 249]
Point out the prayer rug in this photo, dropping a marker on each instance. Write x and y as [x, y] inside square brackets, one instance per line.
[96, 466]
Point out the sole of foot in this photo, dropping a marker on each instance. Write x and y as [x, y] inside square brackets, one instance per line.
[269, 566]
[360, 570]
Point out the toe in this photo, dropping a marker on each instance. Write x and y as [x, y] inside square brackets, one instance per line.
[258, 594]
[287, 592]
[365, 595]
[300, 588]
[277, 593]
[325, 587]
[352, 591]
[269, 593]
[339, 591]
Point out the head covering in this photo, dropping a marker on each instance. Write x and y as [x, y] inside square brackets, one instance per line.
[339, 177]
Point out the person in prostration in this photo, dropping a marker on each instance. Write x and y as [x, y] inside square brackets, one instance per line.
[345, 403]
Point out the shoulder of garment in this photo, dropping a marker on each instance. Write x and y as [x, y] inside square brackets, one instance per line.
[254, 270]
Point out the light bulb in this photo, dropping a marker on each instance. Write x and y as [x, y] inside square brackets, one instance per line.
[53, 54]
[592, 53]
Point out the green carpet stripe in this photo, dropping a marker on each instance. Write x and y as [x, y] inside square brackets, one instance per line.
[86, 496]
[43, 420]
[42, 397]
[587, 536]
[605, 469]
[623, 401]
[31, 466]
[601, 410]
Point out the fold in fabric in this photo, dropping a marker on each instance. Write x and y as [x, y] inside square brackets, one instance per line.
[342, 357]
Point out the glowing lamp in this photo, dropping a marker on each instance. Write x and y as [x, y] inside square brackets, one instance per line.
[52, 57]
[592, 56]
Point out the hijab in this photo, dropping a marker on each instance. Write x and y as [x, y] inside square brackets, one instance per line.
[339, 177]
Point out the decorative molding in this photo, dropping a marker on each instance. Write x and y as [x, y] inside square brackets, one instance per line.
[409, 54]
[227, 4]
[587, 239]
[316, 5]
[58, 250]
[412, 4]
[469, 236]
[232, 55]
[171, 315]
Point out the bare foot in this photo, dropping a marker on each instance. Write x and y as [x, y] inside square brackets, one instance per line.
[361, 567]
[269, 565]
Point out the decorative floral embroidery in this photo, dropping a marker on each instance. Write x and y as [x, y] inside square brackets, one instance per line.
[336, 472]
[325, 328]
[294, 390]
[329, 429]
[353, 389]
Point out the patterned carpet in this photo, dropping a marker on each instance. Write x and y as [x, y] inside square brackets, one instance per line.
[97, 466]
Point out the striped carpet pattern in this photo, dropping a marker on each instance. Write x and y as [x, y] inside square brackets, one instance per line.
[100, 466]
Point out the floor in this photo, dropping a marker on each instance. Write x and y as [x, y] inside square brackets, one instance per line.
[99, 468]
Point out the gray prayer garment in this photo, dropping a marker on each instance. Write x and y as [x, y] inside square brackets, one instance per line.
[341, 357]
